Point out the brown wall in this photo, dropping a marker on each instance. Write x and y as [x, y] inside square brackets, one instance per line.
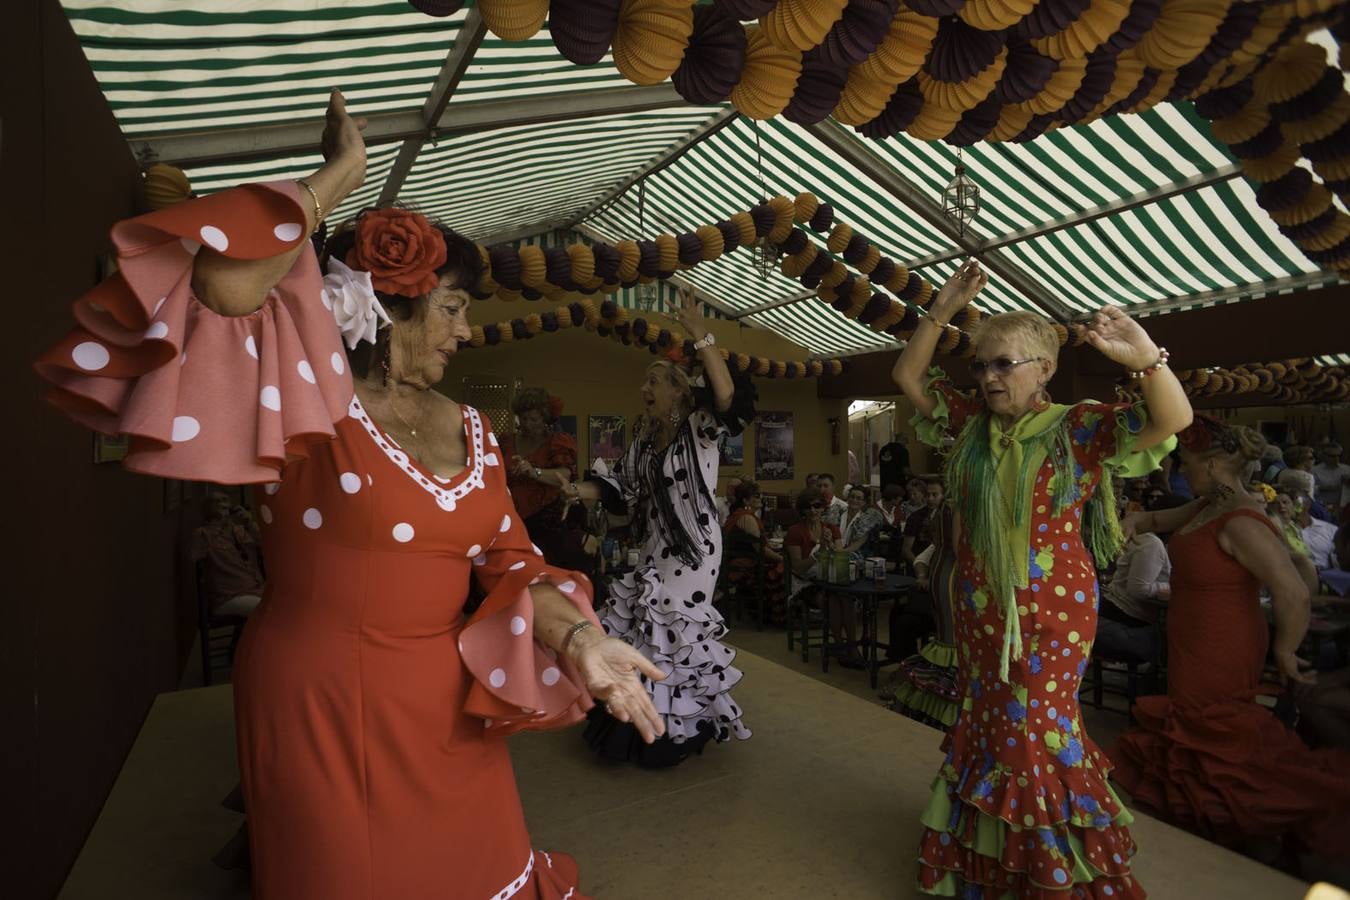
[89, 628]
[596, 376]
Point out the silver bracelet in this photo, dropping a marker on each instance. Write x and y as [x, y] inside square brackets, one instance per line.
[572, 632]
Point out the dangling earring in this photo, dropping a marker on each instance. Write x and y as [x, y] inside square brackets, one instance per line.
[1042, 401]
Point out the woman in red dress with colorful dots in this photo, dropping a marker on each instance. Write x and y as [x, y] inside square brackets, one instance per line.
[1021, 806]
[370, 711]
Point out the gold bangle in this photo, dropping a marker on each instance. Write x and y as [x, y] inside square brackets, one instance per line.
[925, 314]
[318, 207]
[572, 632]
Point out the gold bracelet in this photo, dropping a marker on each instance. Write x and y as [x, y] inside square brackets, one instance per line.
[925, 314]
[318, 207]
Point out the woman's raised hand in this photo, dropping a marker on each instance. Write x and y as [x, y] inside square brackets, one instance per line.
[1121, 339]
[959, 290]
[690, 314]
[341, 143]
[610, 669]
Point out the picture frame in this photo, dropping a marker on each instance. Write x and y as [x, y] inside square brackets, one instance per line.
[606, 437]
[732, 450]
[774, 447]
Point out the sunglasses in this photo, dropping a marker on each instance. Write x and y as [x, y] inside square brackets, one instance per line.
[1000, 366]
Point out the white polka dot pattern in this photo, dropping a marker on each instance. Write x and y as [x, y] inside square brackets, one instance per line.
[185, 428]
[270, 398]
[550, 676]
[265, 512]
[350, 482]
[251, 346]
[506, 524]
[157, 331]
[523, 879]
[459, 487]
[497, 678]
[271, 488]
[403, 532]
[567, 587]
[518, 625]
[337, 362]
[312, 518]
[158, 306]
[474, 551]
[305, 370]
[491, 459]
[90, 356]
[288, 231]
[480, 559]
[517, 566]
[214, 238]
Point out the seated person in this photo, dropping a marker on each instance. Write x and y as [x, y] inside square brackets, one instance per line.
[835, 507]
[892, 514]
[234, 574]
[915, 497]
[745, 552]
[1318, 535]
[1128, 619]
[860, 521]
[915, 540]
[803, 544]
[726, 501]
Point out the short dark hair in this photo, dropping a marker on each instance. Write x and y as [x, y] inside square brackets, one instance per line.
[820, 475]
[893, 491]
[744, 491]
[809, 498]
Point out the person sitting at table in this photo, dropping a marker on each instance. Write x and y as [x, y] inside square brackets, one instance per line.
[1319, 536]
[1297, 476]
[1279, 506]
[803, 543]
[915, 498]
[232, 558]
[892, 514]
[926, 684]
[1128, 620]
[1206, 757]
[727, 499]
[745, 552]
[1332, 477]
[835, 506]
[916, 525]
[859, 522]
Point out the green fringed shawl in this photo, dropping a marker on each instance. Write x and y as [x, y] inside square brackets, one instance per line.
[990, 478]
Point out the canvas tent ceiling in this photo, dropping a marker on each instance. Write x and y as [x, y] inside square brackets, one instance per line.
[506, 140]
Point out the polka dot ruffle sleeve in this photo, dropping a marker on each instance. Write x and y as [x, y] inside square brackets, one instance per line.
[954, 408]
[202, 396]
[1105, 434]
[519, 684]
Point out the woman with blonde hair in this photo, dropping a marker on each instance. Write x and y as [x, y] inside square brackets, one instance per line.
[665, 483]
[1207, 757]
[1021, 806]
[1297, 477]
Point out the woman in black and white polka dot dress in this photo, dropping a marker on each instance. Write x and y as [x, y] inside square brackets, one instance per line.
[665, 482]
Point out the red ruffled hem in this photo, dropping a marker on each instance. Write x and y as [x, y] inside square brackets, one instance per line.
[1231, 771]
[203, 396]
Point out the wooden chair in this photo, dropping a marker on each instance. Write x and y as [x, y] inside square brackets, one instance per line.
[1135, 674]
[214, 645]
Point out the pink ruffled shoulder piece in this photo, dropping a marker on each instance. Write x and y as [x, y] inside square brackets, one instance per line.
[518, 684]
[201, 396]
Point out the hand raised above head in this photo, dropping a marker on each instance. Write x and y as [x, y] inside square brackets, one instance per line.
[960, 289]
[689, 313]
[1121, 339]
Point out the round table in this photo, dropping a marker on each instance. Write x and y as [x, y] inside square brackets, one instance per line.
[870, 593]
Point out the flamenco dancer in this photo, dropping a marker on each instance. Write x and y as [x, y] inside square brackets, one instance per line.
[665, 483]
[1021, 806]
[1207, 757]
[370, 713]
[927, 688]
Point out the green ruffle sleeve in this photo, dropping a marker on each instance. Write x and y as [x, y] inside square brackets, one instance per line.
[1126, 460]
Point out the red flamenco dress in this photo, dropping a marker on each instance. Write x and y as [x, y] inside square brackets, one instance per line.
[371, 713]
[1207, 757]
[1021, 806]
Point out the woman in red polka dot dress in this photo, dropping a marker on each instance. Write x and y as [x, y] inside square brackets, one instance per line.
[1021, 806]
[371, 713]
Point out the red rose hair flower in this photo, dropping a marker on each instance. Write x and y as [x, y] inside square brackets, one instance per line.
[1205, 434]
[400, 249]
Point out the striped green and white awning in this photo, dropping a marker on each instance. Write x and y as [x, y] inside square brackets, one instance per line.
[505, 140]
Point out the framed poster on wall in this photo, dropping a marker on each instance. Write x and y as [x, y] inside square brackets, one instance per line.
[774, 447]
[733, 450]
[605, 437]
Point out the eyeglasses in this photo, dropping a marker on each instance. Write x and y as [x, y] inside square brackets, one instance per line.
[1001, 366]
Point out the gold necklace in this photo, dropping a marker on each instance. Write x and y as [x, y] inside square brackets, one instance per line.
[406, 424]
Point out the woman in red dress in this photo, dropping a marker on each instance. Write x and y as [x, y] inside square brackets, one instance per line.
[371, 714]
[746, 554]
[1021, 806]
[1207, 756]
[540, 460]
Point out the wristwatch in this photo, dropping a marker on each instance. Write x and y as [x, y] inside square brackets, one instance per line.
[706, 341]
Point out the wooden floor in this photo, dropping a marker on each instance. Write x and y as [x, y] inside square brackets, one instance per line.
[822, 802]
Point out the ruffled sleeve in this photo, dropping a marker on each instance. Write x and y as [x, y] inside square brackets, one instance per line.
[518, 683]
[954, 408]
[202, 396]
[710, 423]
[1105, 434]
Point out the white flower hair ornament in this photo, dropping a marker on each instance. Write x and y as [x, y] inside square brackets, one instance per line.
[351, 296]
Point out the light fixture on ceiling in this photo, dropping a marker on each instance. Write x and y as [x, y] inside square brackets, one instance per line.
[961, 198]
[647, 293]
[763, 253]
